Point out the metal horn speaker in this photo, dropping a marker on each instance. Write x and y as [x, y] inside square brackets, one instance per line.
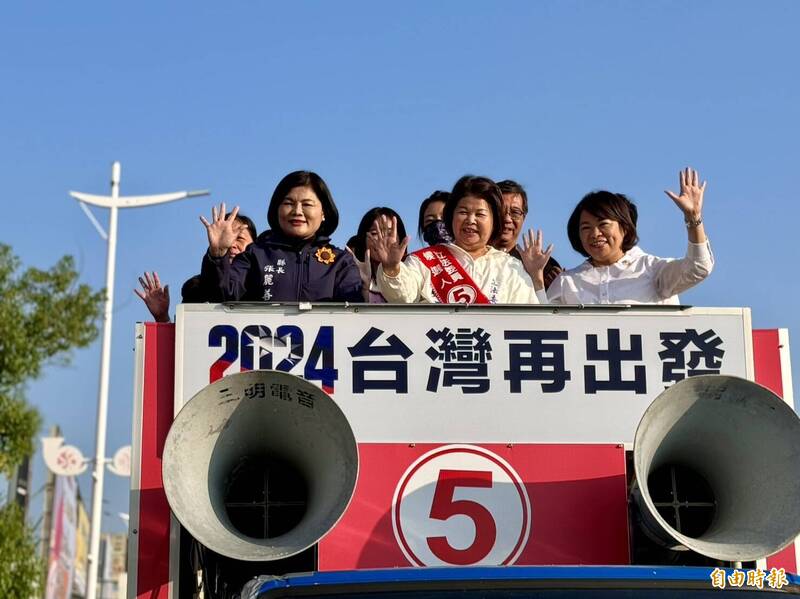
[259, 466]
[717, 462]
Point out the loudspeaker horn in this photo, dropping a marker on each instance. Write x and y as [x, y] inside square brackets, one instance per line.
[741, 443]
[242, 449]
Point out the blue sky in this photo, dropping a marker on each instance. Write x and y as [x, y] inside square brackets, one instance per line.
[389, 101]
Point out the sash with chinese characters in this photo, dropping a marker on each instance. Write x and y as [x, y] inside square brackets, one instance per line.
[451, 283]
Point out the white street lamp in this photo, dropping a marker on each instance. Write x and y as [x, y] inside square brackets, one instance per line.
[113, 202]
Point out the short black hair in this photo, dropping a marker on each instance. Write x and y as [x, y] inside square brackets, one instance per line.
[247, 222]
[436, 196]
[315, 182]
[479, 187]
[511, 186]
[605, 204]
[358, 242]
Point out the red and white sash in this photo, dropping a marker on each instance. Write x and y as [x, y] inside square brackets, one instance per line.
[451, 283]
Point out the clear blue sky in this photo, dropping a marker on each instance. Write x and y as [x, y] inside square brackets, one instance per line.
[389, 101]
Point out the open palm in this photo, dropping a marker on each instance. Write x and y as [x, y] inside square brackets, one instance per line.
[385, 247]
[690, 199]
[154, 296]
[534, 257]
[222, 231]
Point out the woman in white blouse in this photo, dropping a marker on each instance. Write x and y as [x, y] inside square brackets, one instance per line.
[468, 270]
[603, 228]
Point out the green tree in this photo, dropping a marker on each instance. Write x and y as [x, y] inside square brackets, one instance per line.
[43, 315]
[21, 568]
[19, 423]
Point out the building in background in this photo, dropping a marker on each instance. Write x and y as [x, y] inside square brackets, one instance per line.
[19, 486]
[113, 566]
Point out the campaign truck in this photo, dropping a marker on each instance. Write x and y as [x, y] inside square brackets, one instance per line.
[462, 451]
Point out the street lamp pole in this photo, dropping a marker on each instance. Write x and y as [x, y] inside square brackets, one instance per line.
[113, 202]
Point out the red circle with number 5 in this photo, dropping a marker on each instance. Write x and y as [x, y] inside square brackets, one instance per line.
[461, 505]
[461, 294]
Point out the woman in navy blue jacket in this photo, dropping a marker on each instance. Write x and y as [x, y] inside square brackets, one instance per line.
[293, 261]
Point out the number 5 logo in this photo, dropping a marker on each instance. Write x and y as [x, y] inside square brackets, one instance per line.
[461, 505]
[461, 294]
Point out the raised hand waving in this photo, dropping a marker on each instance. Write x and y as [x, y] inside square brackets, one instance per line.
[385, 247]
[222, 231]
[534, 257]
[690, 199]
[155, 297]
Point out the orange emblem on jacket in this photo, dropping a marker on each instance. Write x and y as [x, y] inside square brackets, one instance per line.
[325, 255]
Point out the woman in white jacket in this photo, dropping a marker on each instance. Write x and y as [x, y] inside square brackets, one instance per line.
[468, 270]
[603, 228]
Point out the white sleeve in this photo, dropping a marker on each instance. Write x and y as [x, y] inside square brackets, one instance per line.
[528, 293]
[407, 286]
[555, 293]
[676, 276]
[522, 289]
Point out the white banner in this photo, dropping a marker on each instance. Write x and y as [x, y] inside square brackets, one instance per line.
[491, 374]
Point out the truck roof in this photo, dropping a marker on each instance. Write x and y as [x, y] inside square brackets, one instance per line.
[509, 582]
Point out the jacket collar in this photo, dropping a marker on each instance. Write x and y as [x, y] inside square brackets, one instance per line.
[276, 238]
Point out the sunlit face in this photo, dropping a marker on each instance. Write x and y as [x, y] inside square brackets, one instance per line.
[601, 238]
[433, 212]
[300, 213]
[513, 217]
[472, 223]
[242, 241]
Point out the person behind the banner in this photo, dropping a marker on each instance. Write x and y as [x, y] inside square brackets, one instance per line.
[469, 270]
[156, 297]
[515, 211]
[357, 245]
[430, 226]
[294, 260]
[603, 228]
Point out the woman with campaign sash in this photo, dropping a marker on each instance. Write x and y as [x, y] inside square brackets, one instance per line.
[469, 270]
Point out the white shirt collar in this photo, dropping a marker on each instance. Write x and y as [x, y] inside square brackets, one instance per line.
[627, 259]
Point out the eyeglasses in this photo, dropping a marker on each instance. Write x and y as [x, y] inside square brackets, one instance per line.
[515, 214]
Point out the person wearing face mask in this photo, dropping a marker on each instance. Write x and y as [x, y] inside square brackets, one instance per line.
[603, 228]
[156, 297]
[291, 262]
[515, 210]
[468, 270]
[431, 228]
